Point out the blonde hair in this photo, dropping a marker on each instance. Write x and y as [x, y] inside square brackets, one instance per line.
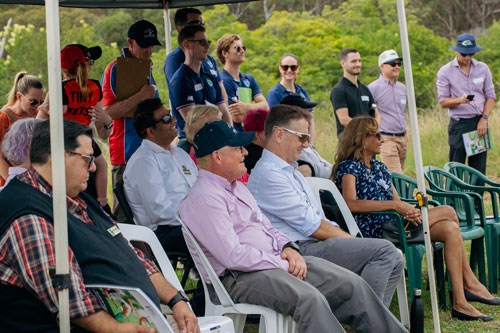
[81, 75]
[198, 117]
[23, 82]
[352, 141]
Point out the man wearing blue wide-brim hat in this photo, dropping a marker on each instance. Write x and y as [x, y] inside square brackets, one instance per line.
[465, 87]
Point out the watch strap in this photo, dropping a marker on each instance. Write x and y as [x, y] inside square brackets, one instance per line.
[180, 296]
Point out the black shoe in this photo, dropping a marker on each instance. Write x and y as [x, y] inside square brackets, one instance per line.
[462, 316]
[474, 298]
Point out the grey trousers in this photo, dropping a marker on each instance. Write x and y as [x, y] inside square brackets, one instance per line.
[328, 296]
[377, 261]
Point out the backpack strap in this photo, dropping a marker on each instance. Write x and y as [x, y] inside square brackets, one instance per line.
[11, 116]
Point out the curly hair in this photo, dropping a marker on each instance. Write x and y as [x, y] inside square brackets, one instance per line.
[16, 142]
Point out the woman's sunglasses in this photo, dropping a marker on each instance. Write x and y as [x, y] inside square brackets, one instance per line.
[292, 67]
[33, 101]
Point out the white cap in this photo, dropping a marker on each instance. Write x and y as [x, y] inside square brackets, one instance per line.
[388, 56]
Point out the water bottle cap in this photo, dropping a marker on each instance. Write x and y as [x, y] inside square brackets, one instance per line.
[417, 292]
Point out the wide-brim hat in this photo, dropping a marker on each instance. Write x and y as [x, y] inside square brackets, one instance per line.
[466, 44]
[218, 134]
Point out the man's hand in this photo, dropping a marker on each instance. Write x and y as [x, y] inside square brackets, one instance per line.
[482, 127]
[134, 328]
[185, 318]
[463, 99]
[98, 115]
[238, 108]
[297, 264]
[147, 91]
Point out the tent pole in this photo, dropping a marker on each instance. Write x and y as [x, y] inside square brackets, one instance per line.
[168, 27]
[57, 156]
[412, 108]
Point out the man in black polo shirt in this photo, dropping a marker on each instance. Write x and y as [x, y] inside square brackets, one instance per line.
[351, 98]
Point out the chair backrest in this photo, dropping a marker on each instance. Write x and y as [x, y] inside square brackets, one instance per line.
[465, 173]
[317, 184]
[122, 199]
[205, 268]
[406, 186]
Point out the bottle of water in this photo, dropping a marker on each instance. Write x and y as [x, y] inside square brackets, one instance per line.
[417, 313]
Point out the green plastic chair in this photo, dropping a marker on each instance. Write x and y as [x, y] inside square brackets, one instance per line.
[450, 190]
[472, 177]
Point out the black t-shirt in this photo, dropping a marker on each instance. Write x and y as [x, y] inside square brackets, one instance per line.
[357, 100]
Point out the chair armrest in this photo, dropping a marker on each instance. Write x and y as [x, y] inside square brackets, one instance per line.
[399, 222]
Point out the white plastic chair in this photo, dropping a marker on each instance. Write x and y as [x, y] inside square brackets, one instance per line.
[270, 322]
[318, 184]
[143, 234]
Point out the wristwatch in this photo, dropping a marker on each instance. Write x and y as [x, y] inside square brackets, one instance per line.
[484, 116]
[109, 126]
[180, 296]
[293, 246]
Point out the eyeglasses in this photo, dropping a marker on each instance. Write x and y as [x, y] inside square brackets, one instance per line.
[465, 55]
[90, 158]
[89, 60]
[166, 119]
[238, 48]
[203, 42]
[33, 101]
[394, 64]
[195, 22]
[303, 137]
[293, 68]
[378, 135]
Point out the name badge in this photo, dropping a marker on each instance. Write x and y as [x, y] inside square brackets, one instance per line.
[114, 230]
[365, 98]
[403, 101]
[198, 86]
[186, 170]
[213, 72]
[478, 80]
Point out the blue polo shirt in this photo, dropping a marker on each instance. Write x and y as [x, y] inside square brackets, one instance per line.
[176, 58]
[231, 85]
[277, 93]
[189, 88]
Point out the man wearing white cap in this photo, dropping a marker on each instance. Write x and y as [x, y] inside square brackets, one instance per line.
[390, 97]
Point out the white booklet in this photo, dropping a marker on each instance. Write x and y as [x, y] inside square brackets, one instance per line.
[131, 305]
[475, 145]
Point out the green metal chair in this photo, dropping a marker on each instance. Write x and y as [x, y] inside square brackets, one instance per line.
[450, 189]
[472, 177]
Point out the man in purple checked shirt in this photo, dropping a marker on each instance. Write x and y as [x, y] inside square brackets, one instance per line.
[390, 97]
[465, 88]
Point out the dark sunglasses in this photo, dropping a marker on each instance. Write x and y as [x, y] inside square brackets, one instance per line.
[394, 64]
[195, 22]
[89, 60]
[33, 102]
[378, 135]
[166, 119]
[465, 55]
[90, 158]
[203, 42]
[238, 48]
[303, 137]
[292, 67]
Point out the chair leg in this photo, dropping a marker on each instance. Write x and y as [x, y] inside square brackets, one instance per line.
[491, 257]
[477, 251]
[238, 320]
[403, 302]
[440, 277]
[414, 265]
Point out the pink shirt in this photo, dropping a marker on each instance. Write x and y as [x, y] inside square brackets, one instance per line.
[229, 226]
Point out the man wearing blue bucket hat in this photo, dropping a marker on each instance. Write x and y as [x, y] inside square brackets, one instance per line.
[465, 88]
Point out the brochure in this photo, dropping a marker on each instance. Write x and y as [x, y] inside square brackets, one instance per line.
[245, 94]
[475, 145]
[131, 305]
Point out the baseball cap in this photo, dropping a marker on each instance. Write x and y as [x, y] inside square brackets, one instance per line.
[144, 33]
[71, 57]
[216, 135]
[254, 120]
[388, 56]
[297, 100]
[95, 52]
[466, 44]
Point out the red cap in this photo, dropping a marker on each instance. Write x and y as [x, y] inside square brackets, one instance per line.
[254, 120]
[71, 56]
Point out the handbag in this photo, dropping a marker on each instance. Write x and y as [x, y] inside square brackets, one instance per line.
[414, 234]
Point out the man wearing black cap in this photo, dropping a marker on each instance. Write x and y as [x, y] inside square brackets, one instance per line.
[465, 87]
[259, 264]
[123, 141]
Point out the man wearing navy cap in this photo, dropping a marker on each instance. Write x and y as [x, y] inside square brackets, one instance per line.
[124, 141]
[465, 87]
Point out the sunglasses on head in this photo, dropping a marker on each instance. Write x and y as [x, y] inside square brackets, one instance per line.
[465, 55]
[293, 68]
[239, 48]
[33, 101]
[303, 137]
[203, 42]
[394, 63]
[166, 119]
[90, 158]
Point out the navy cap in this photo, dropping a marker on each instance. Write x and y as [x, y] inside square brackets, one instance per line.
[466, 44]
[144, 33]
[297, 100]
[218, 134]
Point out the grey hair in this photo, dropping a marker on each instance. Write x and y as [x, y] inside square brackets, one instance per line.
[17, 140]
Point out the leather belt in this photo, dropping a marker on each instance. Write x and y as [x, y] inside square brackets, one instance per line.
[393, 134]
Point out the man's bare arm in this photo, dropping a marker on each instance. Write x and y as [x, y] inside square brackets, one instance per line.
[343, 115]
[450, 103]
[120, 109]
[102, 322]
[327, 230]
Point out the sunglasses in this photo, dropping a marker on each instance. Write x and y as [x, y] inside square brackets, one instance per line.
[195, 22]
[303, 137]
[203, 42]
[394, 64]
[292, 67]
[378, 135]
[90, 158]
[166, 119]
[89, 60]
[239, 48]
[465, 55]
[33, 102]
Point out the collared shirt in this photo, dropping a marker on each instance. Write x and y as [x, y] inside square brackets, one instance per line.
[13, 171]
[123, 140]
[189, 88]
[229, 226]
[27, 254]
[358, 100]
[232, 85]
[452, 81]
[155, 181]
[321, 167]
[391, 104]
[176, 58]
[277, 93]
[285, 197]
